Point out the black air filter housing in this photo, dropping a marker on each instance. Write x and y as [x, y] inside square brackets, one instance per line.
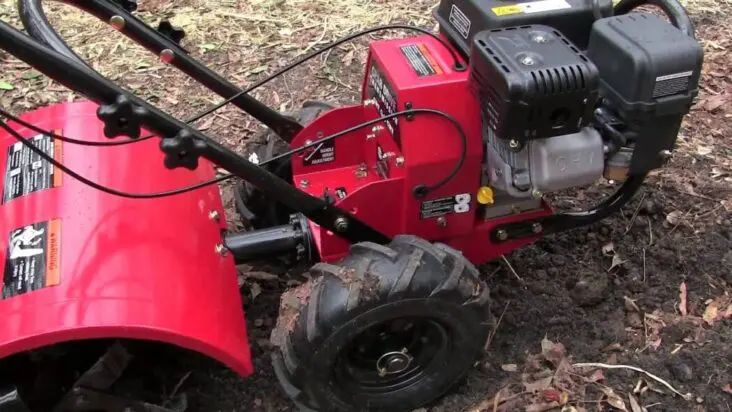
[649, 74]
[532, 82]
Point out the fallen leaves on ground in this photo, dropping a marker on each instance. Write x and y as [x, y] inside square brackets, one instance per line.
[717, 310]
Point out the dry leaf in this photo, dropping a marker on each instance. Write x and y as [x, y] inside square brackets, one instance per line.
[634, 405]
[728, 388]
[715, 102]
[510, 367]
[727, 204]
[630, 305]
[546, 345]
[608, 249]
[542, 407]
[674, 218]
[617, 261]
[596, 376]
[703, 150]
[683, 294]
[614, 399]
[711, 314]
[539, 385]
[255, 289]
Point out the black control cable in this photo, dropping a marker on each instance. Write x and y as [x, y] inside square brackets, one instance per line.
[423, 189]
[457, 65]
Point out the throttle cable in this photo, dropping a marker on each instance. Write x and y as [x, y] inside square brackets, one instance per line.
[219, 106]
[114, 192]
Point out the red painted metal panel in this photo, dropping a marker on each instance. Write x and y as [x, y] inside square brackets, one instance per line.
[116, 267]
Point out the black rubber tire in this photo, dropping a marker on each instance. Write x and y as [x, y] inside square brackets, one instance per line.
[376, 284]
[252, 205]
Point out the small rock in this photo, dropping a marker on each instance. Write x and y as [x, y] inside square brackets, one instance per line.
[727, 266]
[541, 274]
[680, 370]
[591, 236]
[258, 323]
[558, 260]
[553, 272]
[591, 291]
[649, 207]
[634, 320]
[258, 402]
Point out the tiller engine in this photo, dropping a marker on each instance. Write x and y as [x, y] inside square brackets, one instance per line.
[447, 162]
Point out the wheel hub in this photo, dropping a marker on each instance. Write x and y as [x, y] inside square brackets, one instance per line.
[392, 363]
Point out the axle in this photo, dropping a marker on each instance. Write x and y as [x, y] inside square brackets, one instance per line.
[265, 243]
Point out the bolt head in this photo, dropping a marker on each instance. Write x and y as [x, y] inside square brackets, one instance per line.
[502, 235]
[537, 228]
[514, 144]
[214, 215]
[341, 224]
[536, 194]
[527, 61]
[304, 184]
[221, 249]
[399, 161]
[442, 221]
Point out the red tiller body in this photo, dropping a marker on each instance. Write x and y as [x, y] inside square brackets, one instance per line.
[82, 264]
[373, 173]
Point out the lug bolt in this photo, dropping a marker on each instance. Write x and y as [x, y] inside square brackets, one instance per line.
[117, 22]
[214, 215]
[537, 228]
[502, 235]
[399, 161]
[341, 224]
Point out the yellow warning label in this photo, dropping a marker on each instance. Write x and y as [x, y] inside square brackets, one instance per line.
[507, 10]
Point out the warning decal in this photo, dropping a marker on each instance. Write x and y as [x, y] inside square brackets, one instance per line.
[26, 172]
[421, 60]
[320, 154]
[446, 205]
[32, 259]
[460, 21]
[531, 7]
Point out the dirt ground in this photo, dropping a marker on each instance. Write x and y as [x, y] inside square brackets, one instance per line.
[648, 288]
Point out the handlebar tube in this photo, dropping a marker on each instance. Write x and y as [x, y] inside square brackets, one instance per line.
[86, 81]
[36, 23]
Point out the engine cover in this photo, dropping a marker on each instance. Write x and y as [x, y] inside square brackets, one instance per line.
[532, 83]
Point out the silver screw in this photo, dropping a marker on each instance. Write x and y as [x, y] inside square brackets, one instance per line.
[214, 215]
[341, 224]
[442, 221]
[399, 161]
[539, 38]
[537, 228]
[304, 184]
[536, 194]
[527, 61]
[514, 144]
[221, 249]
[502, 235]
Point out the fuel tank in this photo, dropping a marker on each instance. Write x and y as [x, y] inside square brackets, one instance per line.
[78, 263]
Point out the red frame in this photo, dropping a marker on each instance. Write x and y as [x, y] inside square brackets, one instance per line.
[138, 269]
[430, 147]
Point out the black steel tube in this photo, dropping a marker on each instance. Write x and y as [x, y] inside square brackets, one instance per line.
[36, 23]
[265, 243]
[572, 220]
[99, 89]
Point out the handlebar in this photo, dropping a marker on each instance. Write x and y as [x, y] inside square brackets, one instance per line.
[36, 23]
[674, 10]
